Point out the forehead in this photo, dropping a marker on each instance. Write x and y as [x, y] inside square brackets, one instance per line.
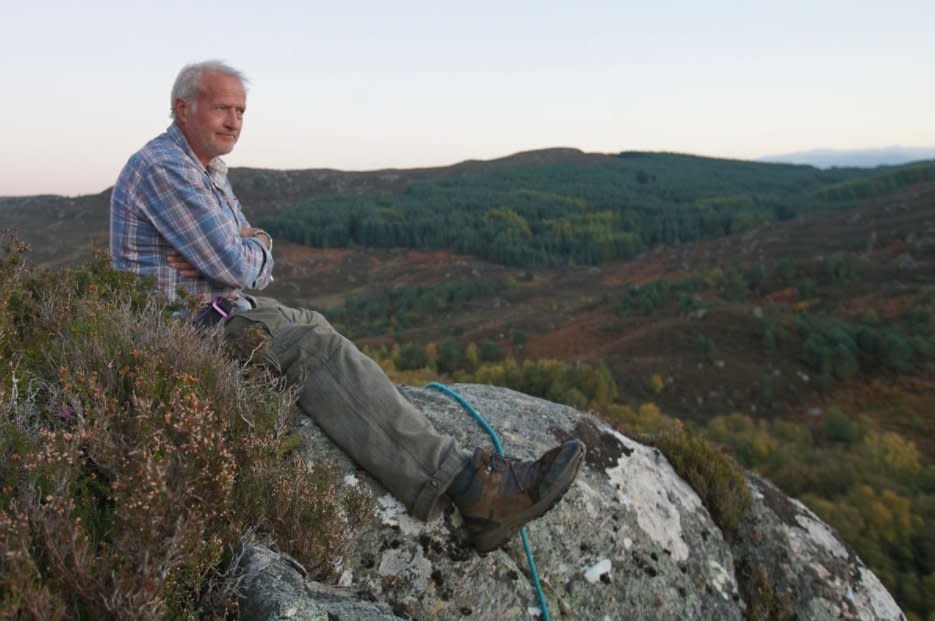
[216, 85]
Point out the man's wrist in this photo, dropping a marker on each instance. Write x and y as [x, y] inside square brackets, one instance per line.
[260, 234]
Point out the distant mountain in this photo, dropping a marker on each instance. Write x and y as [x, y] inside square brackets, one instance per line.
[862, 158]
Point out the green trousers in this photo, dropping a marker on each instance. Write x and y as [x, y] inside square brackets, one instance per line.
[356, 405]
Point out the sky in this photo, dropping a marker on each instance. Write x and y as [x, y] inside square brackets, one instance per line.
[362, 85]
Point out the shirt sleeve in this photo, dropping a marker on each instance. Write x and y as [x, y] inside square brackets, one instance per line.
[184, 208]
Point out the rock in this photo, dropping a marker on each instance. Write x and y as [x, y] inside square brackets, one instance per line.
[630, 540]
[798, 563]
[278, 591]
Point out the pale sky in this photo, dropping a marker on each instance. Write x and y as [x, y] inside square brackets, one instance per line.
[365, 85]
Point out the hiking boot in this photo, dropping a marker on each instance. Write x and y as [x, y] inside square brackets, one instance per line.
[506, 493]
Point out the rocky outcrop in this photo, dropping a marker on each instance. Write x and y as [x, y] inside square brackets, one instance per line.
[278, 590]
[788, 559]
[630, 540]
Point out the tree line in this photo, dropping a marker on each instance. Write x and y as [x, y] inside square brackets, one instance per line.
[561, 214]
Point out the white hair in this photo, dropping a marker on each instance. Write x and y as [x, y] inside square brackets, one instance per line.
[189, 81]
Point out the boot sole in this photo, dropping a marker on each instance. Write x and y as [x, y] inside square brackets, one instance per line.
[503, 532]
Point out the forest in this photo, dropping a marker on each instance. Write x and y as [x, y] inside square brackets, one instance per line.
[584, 214]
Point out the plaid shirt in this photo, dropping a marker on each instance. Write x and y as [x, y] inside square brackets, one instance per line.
[164, 199]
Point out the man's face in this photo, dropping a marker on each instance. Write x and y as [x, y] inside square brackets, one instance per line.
[213, 126]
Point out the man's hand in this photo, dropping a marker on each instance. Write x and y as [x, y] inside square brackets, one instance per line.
[258, 234]
[178, 263]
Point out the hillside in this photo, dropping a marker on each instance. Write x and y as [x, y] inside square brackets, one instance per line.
[61, 230]
[567, 213]
[803, 339]
[643, 317]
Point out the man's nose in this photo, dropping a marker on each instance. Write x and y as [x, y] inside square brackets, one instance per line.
[233, 119]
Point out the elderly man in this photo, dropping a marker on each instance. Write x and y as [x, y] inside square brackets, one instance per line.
[174, 216]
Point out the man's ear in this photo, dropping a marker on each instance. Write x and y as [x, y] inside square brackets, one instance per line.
[181, 111]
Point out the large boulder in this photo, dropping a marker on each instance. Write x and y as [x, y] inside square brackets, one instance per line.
[630, 540]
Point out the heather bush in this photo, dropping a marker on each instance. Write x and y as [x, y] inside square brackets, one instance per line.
[136, 455]
[713, 473]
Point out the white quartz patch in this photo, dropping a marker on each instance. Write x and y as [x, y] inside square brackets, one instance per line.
[722, 579]
[647, 484]
[874, 596]
[822, 535]
[593, 573]
[346, 579]
[393, 513]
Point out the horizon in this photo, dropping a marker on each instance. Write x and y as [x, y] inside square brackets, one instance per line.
[794, 158]
[371, 87]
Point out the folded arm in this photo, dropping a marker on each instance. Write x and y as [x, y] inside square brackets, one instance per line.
[211, 239]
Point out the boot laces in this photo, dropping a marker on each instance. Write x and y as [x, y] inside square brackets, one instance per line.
[525, 474]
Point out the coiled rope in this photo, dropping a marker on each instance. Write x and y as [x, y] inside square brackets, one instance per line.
[442, 388]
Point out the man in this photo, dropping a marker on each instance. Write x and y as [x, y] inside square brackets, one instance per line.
[174, 216]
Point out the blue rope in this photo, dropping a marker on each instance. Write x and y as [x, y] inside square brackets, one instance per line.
[499, 446]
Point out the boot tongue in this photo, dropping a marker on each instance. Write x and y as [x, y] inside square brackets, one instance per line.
[525, 474]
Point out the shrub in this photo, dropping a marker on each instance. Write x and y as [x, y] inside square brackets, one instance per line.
[828, 346]
[837, 427]
[519, 338]
[490, 351]
[766, 388]
[734, 286]
[692, 303]
[887, 346]
[784, 271]
[705, 348]
[807, 288]
[450, 358]
[715, 476]
[134, 457]
[411, 357]
[839, 269]
[579, 385]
